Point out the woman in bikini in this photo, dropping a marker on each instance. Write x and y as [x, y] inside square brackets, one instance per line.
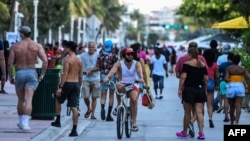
[234, 77]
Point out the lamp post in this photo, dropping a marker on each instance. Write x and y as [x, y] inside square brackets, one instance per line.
[35, 2]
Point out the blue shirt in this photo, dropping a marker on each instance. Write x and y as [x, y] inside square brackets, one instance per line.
[89, 61]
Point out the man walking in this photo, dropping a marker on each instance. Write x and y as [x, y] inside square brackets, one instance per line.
[69, 87]
[158, 71]
[105, 62]
[91, 79]
[24, 54]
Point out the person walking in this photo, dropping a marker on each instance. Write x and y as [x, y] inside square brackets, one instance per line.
[91, 79]
[105, 62]
[213, 82]
[158, 69]
[235, 75]
[178, 71]
[130, 70]
[192, 91]
[24, 55]
[4, 53]
[223, 85]
[69, 86]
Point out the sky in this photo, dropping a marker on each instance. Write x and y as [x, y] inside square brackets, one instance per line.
[145, 6]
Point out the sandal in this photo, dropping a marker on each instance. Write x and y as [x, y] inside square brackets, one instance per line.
[115, 112]
[93, 117]
[134, 128]
[87, 114]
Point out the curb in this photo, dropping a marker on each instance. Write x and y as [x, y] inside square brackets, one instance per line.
[52, 133]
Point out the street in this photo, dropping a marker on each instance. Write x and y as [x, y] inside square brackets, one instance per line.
[160, 123]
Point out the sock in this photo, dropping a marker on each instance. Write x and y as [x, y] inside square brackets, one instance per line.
[102, 106]
[74, 127]
[26, 119]
[58, 118]
[109, 110]
[20, 117]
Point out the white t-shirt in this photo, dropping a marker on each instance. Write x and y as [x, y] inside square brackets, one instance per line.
[158, 68]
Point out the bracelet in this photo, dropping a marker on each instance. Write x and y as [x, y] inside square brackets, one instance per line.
[60, 87]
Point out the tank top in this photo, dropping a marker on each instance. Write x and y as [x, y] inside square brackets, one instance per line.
[129, 75]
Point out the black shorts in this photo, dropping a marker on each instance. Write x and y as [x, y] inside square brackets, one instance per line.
[194, 95]
[71, 92]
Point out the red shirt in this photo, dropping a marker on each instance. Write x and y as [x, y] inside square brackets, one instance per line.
[183, 59]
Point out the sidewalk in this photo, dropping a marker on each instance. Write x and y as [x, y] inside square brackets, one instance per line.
[8, 119]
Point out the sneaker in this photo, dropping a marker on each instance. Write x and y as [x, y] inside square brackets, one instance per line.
[157, 97]
[19, 125]
[182, 134]
[191, 129]
[226, 119]
[211, 124]
[56, 124]
[160, 97]
[201, 136]
[73, 133]
[103, 114]
[109, 118]
[26, 128]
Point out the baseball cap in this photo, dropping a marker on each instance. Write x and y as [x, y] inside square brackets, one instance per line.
[24, 29]
[128, 50]
[226, 48]
[108, 45]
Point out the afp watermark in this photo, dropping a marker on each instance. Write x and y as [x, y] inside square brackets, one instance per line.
[236, 132]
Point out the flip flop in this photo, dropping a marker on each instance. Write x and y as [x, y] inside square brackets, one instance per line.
[93, 117]
[115, 112]
[135, 128]
[87, 114]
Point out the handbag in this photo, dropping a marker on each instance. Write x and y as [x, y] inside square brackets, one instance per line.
[148, 100]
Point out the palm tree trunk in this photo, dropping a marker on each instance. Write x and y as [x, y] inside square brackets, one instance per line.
[12, 19]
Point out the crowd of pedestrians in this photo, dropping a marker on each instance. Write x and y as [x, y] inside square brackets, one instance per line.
[86, 71]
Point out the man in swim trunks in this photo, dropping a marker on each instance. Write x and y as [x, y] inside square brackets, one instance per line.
[130, 71]
[24, 55]
[69, 87]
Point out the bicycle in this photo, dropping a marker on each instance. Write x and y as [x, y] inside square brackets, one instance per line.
[124, 115]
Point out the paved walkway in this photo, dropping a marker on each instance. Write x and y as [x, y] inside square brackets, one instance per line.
[166, 123]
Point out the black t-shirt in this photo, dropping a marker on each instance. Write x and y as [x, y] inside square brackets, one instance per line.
[195, 76]
[166, 53]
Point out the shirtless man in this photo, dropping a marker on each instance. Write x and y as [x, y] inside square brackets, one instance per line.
[130, 71]
[69, 87]
[24, 55]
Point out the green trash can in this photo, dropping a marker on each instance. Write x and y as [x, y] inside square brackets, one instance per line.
[43, 103]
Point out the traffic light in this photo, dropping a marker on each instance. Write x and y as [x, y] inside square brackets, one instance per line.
[167, 26]
[185, 27]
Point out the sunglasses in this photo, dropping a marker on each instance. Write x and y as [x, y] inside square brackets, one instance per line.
[129, 54]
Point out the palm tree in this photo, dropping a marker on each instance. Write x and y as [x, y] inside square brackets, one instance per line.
[5, 15]
[109, 12]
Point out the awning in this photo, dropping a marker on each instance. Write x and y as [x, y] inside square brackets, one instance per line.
[237, 23]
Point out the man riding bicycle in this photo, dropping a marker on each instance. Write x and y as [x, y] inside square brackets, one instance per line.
[129, 71]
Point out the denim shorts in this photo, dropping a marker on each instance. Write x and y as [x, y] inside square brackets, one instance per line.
[235, 89]
[106, 86]
[210, 85]
[158, 81]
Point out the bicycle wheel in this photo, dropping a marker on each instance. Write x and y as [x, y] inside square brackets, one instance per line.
[128, 122]
[119, 122]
